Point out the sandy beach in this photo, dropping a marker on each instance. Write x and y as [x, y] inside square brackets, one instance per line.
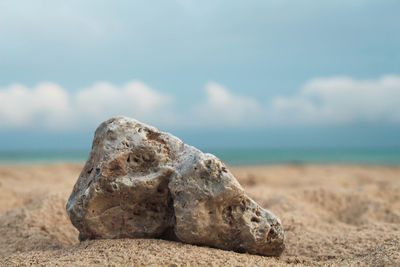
[332, 215]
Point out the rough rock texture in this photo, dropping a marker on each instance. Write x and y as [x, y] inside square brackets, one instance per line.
[140, 182]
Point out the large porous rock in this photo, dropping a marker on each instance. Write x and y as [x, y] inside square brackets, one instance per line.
[140, 182]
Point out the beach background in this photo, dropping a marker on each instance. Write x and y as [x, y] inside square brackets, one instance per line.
[301, 101]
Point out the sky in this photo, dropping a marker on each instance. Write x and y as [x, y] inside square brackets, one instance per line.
[273, 74]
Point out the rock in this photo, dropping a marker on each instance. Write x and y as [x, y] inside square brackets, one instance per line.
[140, 182]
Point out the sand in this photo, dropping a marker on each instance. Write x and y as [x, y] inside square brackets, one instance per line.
[332, 215]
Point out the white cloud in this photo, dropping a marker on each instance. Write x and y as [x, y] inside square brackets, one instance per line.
[223, 108]
[20, 106]
[341, 100]
[135, 98]
[50, 106]
[322, 101]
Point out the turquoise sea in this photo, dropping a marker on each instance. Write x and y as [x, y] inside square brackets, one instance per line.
[233, 156]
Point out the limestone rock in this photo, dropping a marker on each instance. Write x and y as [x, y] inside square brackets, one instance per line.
[140, 182]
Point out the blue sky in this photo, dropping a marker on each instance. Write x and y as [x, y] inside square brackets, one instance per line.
[217, 73]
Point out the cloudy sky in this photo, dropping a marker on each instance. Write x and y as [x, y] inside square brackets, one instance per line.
[216, 73]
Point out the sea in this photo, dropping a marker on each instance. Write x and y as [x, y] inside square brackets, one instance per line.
[232, 156]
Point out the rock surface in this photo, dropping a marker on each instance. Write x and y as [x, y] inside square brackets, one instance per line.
[140, 182]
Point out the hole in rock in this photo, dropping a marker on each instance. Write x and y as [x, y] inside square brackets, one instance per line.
[160, 190]
[255, 219]
[271, 234]
[272, 231]
[109, 190]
